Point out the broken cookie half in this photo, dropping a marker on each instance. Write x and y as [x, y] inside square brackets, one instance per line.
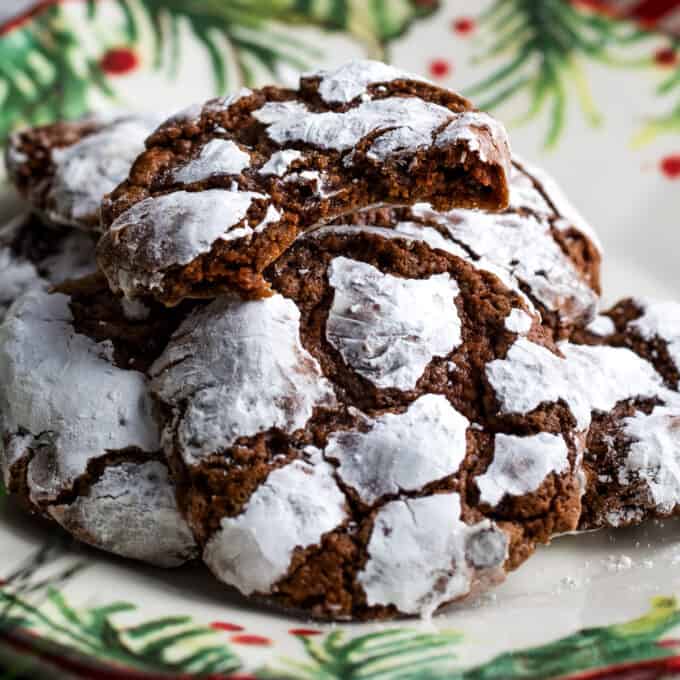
[224, 189]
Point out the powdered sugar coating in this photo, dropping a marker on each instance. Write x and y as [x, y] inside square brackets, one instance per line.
[343, 131]
[654, 454]
[87, 170]
[601, 325]
[293, 508]
[173, 229]
[661, 320]
[401, 451]
[389, 328]
[72, 257]
[352, 79]
[518, 321]
[131, 510]
[217, 157]
[521, 464]
[62, 398]
[422, 555]
[571, 218]
[523, 246]
[236, 368]
[279, 162]
[588, 379]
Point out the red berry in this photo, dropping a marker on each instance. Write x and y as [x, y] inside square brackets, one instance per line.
[670, 166]
[251, 640]
[440, 68]
[463, 25]
[119, 61]
[223, 625]
[666, 56]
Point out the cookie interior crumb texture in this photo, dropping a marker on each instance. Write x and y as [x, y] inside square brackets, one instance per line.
[221, 193]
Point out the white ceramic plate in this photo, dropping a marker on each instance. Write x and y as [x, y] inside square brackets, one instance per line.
[624, 175]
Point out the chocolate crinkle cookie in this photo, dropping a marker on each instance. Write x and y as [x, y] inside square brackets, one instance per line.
[64, 169]
[540, 246]
[80, 444]
[343, 448]
[223, 190]
[34, 256]
[633, 455]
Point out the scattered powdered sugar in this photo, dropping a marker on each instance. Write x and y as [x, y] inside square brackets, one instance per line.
[173, 229]
[352, 79]
[653, 456]
[217, 157]
[521, 464]
[293, 508]
[618, 563]
[589, 379]
[518, 321]
[62, 399]
[662, 320]
[388, 328]
[601, 325]
[131, 511]
[94, 166]
[401, 451]
[279, 162]
[237, 368]
[421, 555]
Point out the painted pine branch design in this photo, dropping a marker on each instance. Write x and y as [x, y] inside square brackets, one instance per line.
[35, 603]
[546, 43]
[46, 73]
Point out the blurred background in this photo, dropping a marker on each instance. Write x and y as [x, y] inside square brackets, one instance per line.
[590, 89]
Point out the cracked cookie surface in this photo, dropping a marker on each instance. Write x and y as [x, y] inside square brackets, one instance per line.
[65, 168]
[633, 455]
[540, 245]
[338, 446]
[34, 256]
[223, 189]
[80, 443]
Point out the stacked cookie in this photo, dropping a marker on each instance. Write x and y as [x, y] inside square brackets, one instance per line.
[341, 345]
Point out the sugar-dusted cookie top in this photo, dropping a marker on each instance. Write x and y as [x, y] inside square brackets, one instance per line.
[64, 169]
[34, 256]
[80, 443]
[540, 246]
[223, 191]
[633, 453]
[342, 452]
